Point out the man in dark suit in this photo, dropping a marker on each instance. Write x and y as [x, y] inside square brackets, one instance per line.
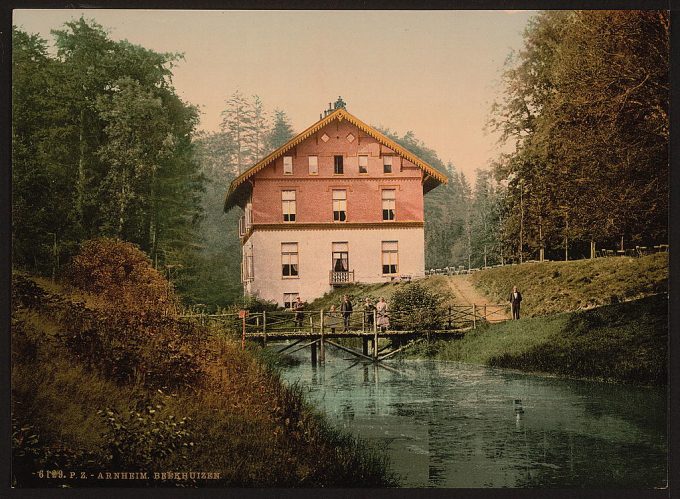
[346, 309]
[515, 300]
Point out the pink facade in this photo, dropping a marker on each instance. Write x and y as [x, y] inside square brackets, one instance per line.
[314, 192]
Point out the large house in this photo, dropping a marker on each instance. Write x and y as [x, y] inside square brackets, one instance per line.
[337, 204]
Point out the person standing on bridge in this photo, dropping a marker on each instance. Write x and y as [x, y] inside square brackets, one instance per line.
[298, 308]
[346, 309]
[383, 318]
[515, 300]
[369, 314]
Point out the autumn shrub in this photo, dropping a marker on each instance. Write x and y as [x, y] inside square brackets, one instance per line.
[122, 275]
[160, 352]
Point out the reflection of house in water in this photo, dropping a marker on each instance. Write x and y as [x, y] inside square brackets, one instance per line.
[337, 204]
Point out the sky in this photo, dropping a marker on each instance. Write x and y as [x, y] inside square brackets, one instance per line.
[435, 73]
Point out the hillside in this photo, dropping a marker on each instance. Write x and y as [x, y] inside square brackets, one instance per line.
[553, 287]
[625, 342]
[101, 388]
[547, 288]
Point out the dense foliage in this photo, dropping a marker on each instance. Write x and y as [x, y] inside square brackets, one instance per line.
[586, 106]
[101, 146]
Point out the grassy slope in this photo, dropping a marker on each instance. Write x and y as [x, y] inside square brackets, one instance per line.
[553, 287]
[623, 342]
[244, 422]
[547, 288]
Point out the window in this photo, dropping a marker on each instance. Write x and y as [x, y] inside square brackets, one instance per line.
[313, 165]
[247, 273]
[389, 257]
[288, 165]
[288, 205]
[340, 257]
[338, 168]
[289, 259]
[289, 299]
[387, 164]
[388, 204]
[363, 164]
[339, 205]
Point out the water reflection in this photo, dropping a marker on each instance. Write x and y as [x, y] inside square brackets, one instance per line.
[455, 425]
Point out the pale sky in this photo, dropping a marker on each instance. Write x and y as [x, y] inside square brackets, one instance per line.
[433, 72]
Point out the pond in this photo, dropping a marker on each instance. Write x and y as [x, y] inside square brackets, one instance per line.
[446, 424]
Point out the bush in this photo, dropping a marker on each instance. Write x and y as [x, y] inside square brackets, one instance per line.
[416, 308]
[121, 274]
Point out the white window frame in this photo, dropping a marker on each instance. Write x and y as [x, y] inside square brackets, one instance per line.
[313, 165]
[289, 205]
[340, 205]
[389, 204]
[364, 166]
[389, 257]
[290, 258]
[292, 297]
[288, 165]
[387, 161]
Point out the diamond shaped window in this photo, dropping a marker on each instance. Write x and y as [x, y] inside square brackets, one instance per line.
[350, 138]
[325, 137]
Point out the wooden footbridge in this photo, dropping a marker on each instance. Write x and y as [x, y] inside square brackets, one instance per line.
[381, 336]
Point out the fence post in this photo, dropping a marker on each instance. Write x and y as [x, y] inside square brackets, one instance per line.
[484, 314]
[321, 321]
[264, 327]
[474, 316]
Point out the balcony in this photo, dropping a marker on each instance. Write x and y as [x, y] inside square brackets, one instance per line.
[245, 227]
[341, 278]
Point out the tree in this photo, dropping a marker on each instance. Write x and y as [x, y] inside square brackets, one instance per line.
[586, 106]
[281, 132]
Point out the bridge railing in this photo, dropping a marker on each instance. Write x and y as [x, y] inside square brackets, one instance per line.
[453, 317]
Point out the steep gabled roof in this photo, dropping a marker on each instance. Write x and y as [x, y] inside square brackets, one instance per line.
[434, 176]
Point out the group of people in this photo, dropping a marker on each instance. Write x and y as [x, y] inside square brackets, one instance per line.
[374, 314]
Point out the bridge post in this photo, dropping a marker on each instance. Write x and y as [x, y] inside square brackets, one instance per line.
[375, 339]
[321, 321]
[313, 347]
[364, 345]
[322, 350]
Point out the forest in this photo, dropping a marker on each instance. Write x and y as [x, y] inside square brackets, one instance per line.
[103, 146]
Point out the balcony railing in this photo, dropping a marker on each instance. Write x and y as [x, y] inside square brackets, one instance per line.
[341, 278]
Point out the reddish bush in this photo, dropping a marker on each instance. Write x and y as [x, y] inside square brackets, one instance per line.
[122, 274]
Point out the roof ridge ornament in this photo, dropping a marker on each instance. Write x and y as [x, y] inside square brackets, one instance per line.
[340, 103]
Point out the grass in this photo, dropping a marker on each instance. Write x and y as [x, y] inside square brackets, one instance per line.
[242, 420]
[554, 287]
[625, 342]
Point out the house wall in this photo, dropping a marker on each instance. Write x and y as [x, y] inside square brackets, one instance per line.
[314, 192]
[315, 258]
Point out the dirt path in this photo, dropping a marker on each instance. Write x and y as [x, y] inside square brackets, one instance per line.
[464, 293]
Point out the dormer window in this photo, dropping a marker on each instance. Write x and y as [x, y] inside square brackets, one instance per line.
[387, 164]
[288, 165]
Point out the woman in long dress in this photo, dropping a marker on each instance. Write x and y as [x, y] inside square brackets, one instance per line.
[383, 320]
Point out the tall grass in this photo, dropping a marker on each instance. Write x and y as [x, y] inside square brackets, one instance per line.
[625, 342]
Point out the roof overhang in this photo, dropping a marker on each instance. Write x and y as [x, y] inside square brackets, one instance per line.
[240, 187]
